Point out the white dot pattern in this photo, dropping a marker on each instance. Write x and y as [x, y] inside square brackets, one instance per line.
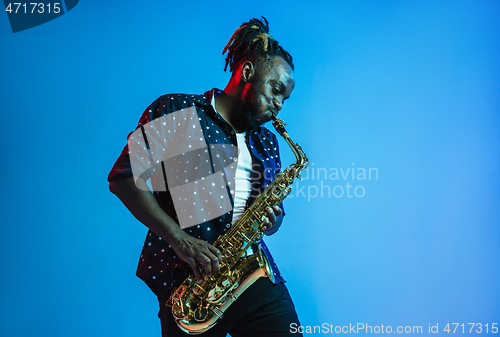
[158, 263]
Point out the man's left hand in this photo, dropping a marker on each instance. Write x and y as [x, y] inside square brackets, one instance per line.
[274, 217]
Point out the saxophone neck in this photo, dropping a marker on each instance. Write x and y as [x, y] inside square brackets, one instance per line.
[301, 159]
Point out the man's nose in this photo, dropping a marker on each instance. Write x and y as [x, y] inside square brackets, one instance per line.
[277, 104]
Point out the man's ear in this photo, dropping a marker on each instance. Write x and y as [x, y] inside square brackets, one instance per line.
[247, 72]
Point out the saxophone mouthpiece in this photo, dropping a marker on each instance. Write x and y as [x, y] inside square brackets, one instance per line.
[279, 125]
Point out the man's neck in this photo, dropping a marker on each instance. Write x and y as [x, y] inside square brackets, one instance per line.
[232, 109]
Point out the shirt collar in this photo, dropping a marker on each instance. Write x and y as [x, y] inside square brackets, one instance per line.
[206, 98]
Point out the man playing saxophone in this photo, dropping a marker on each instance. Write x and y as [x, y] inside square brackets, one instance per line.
[261, 80]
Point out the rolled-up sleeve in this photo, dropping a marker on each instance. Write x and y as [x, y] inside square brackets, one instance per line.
[122, 167]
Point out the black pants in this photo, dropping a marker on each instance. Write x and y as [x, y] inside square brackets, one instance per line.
[263, 310]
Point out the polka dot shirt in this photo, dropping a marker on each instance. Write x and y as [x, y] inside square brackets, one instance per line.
[158, 262]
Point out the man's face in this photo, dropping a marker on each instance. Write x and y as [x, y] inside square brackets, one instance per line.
[272, 84]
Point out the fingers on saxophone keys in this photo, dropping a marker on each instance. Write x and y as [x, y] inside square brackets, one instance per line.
[196, 270]
[206, 263]
[217, 253]
[215, 264]
[277, 210]
[271, 217]
[209, 264]
[266, 224]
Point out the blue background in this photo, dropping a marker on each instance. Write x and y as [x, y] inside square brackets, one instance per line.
[409, 88]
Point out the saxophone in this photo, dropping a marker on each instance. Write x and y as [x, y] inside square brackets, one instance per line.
[197, 307]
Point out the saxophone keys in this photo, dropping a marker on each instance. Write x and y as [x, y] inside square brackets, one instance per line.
[180, 311]
[200, 314]
[214, 294]
[197, 289]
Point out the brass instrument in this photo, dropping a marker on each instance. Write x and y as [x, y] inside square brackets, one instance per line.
[197, 307]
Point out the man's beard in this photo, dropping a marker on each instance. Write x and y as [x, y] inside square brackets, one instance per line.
[251, 120]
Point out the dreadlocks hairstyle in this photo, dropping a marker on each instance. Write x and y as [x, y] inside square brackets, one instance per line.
[252, 41]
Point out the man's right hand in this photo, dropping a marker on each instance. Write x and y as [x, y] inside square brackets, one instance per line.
[201, 256]
[137, 197]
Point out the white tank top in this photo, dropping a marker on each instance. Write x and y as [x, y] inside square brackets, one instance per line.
[242, 178]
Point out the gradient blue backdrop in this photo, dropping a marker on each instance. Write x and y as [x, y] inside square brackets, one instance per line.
[408, 88]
